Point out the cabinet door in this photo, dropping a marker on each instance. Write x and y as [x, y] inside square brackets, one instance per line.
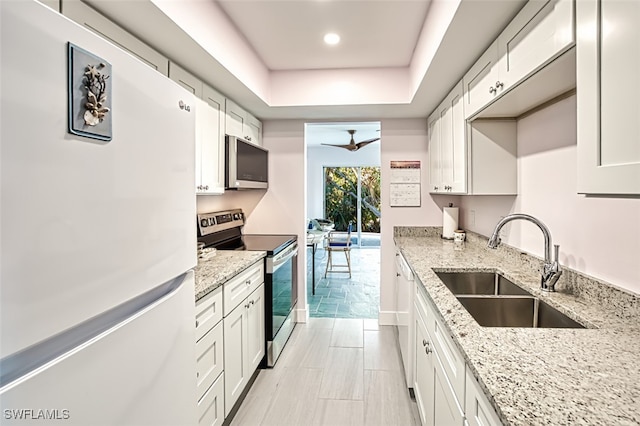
[185, 79]
[453, 146]
[208, 312]
[235, 355]
[424, 374]
[447, 410]
[211, 156]
[84, 15]
[211, 405]
[541, 31]
[435, 166]
[235, 119]
[480, 81]
[209, 358]
[608, 65]
[253, 130]
[478, 411]
[255, 329]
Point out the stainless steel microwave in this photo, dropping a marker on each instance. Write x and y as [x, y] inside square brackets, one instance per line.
[246, 165]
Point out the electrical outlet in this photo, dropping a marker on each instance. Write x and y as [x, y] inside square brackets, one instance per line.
[472, 218]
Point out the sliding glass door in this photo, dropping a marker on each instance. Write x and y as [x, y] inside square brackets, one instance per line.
[352, 195]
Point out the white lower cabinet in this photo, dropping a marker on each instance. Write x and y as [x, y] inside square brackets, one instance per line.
[423, 387]
[211, 405]
[477, 408]
[437, 401]
[230, 343]
[243, 345]
[446, 392]
[210, 359]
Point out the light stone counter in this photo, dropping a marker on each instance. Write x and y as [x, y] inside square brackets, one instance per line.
[539, 376]
[211, 273]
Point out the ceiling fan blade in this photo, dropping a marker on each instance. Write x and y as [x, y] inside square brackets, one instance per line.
[367, 142]
[350, 147]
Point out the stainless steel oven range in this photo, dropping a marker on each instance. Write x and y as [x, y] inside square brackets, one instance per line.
[223, 231]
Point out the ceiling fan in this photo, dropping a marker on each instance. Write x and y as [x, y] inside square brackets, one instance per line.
[352, 145]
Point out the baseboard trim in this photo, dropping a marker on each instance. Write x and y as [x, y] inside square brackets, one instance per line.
[301, 315]
[387, 318]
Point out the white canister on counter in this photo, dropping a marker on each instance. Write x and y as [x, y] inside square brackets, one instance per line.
[459, 235]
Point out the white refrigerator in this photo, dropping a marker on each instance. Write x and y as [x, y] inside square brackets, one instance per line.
[97, 238]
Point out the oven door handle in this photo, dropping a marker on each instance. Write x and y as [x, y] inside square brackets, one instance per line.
[281, 258]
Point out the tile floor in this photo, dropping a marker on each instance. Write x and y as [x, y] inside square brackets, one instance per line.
[339, 296]
[333, 372]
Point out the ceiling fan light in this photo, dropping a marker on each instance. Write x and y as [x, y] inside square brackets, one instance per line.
[331, 38]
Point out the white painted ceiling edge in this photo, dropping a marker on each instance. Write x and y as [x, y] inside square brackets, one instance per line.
[355, 86]
[198, 36]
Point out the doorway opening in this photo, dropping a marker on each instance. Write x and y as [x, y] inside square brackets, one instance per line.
[343, 187]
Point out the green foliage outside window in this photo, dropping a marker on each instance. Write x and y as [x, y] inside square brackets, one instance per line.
[341, 197]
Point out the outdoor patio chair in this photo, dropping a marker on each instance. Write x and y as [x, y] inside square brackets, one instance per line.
[338, 242]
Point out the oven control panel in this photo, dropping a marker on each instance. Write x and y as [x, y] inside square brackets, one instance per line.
[208, 223]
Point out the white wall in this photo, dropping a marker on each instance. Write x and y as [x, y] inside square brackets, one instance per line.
[599, 236]
[320, 156]
[403, 139]
[283, 208]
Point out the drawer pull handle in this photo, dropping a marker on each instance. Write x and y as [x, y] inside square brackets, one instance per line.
[424, 342]
[197, 323]
[428, 349]
[248, 282]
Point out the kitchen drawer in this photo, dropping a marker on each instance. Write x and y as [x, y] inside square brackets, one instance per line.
[477, 408]
[208, 312]
[242, 285]
[209, 358]
[211, 405]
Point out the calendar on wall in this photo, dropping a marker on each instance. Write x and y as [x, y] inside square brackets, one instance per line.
[405, 184]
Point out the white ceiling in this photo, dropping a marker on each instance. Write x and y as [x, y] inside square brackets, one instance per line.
[288, 35]
[397, 58]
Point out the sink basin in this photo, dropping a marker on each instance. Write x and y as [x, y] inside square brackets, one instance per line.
[494, 301]
[486, 283]
[515, 311]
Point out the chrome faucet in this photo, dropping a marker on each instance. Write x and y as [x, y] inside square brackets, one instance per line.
[551, 270]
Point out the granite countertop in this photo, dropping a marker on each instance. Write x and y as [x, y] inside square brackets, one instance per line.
[211, 273]
[538, 376]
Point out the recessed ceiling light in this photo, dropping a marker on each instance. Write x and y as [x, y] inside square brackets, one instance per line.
[331, 38]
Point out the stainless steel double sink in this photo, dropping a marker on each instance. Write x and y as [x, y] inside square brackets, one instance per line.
[494, 301]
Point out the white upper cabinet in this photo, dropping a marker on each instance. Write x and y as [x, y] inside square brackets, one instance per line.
[541, 31]
[463, 156]
[435, 168]
[608, 66]
[210, 143]
[479, 82]
[447, 145]
[526, 65]
[185, 79]
[242, 124]
[210, 121]
[96, 22]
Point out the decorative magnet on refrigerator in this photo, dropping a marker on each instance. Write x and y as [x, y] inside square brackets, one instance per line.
[89, 95]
